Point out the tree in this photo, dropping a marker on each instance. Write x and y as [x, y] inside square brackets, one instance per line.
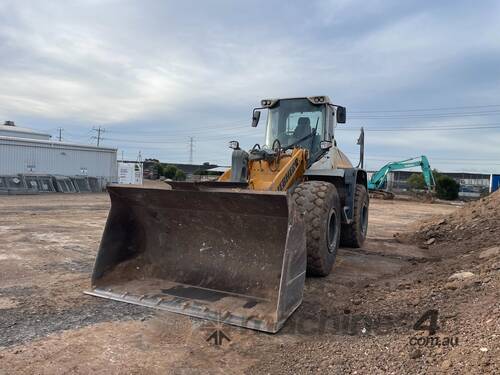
[179, 175]
[169, 171]
[446, 187]
[161, 169]
[416, 181]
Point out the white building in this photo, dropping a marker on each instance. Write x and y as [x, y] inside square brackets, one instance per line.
[24, 151]
[9, 129]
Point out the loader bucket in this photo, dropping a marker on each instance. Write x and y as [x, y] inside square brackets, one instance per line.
[230, 255]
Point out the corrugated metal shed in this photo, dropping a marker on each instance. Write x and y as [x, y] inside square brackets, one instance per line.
[9, 129]
[22, 155]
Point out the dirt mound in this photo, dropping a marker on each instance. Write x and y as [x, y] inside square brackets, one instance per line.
[473, 226]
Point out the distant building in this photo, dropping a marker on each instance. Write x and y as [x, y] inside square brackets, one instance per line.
[190, 169]
[472, 184]
[9, 129]
[25, 151]
[494, 182]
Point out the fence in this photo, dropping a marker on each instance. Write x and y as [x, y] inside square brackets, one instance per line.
[39, 184]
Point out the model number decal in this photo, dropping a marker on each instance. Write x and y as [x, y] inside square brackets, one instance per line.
[288, 175]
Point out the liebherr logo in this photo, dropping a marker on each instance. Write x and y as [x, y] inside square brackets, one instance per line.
[288, 175]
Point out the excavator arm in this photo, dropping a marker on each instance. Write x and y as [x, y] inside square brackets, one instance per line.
[427, 172]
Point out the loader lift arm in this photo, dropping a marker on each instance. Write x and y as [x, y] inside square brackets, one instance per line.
[379, 178]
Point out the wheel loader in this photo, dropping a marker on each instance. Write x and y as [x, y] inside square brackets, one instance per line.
[237, 250]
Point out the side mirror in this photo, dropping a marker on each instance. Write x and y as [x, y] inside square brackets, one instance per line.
[235, 145]
[255, 118]
[341, 115]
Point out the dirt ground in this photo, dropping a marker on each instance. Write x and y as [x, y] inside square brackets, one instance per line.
[358, 320]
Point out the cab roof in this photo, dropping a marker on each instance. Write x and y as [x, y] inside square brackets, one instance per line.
[320, 99]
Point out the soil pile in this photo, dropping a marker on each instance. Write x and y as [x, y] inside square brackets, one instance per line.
[475, 225]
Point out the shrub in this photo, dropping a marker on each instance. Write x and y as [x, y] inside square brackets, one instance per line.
[179, 175]
[447, 188]
[416, 182]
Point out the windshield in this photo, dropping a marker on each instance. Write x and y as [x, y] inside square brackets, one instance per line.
[296, 122]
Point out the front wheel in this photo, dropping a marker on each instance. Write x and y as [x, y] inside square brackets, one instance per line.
[319, 202]
[354, 234]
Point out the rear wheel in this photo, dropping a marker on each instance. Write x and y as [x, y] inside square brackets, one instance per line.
[354, 234]
[319, 202]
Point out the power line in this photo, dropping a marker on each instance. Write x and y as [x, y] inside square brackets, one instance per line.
[176, 140]
[424, 115]
[435, 128]
[433, 159]
[172, 139]
[193, 130]
[378, 157]
[250, 132]
[426, 109]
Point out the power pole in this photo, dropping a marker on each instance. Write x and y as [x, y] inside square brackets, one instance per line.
[99, 131]
[190, 150]
[60, 134]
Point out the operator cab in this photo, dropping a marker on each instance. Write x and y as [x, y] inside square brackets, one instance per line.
[300, 122]
[296, 122]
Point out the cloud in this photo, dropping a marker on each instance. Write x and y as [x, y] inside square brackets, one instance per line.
[165, 70]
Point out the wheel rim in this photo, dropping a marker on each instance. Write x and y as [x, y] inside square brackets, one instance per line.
[332, 232]
[364, 219]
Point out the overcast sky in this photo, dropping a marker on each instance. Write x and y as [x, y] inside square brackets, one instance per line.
[154, 73]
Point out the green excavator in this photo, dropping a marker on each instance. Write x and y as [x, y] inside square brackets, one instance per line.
[379, 178]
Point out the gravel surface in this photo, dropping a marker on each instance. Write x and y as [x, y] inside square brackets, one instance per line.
[358, 320]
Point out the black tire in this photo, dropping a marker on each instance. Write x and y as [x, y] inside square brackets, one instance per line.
[319, 202]
[354, 234]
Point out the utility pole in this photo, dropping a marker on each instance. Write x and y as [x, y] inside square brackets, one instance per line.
[99, 131]
[60, 134]
[190, 150]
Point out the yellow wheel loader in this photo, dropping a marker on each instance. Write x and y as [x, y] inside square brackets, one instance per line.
[237, 250]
